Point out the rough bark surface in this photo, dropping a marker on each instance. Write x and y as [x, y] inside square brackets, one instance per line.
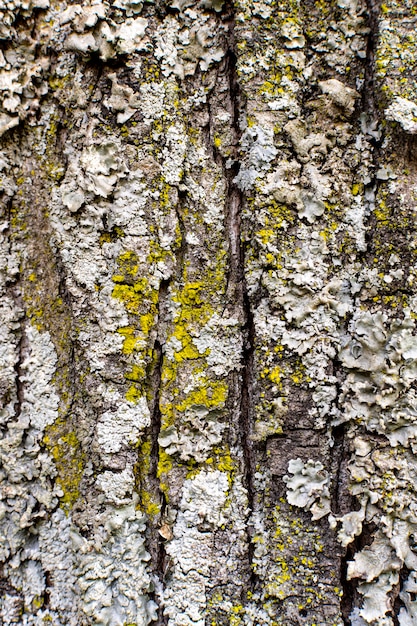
[208, 358]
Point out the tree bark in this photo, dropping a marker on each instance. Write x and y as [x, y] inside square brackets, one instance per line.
[208, 357]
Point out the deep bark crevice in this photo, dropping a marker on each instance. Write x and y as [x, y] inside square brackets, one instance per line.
[340, 455]
[369, 109]
[237, 298]
[237, 290]
[13, 288]
[397, 603]
[181, 251]
[351, 597]
[246, 420]
[155, 541]
[368, 94]
[19, 372]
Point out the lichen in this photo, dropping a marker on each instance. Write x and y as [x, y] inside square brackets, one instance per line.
[308, 487]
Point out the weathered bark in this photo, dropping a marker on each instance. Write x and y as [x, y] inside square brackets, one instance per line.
[208, 350]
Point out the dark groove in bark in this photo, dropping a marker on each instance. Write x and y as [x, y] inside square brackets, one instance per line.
[235, 201]
[17, 299]
[348, 587]
[156, 413]
[370, 109]
[236, 290]
[338, 453]
[397, 603]
[351, 598]
[246, 421]
[368, 93]
[157, 540]
[156, 545]
[180, 253]
[19, 372]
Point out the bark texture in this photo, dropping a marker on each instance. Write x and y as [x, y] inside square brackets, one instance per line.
[208, 358]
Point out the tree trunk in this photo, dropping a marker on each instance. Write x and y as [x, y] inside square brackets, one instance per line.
[208, 351]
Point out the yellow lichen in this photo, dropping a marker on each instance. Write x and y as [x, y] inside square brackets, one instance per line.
[69, 460]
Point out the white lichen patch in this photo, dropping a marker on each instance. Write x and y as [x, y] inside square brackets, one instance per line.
[191, 549]
[96, 170]
[380, 355]
[201, 429]
[312, 207]
[130, 35]
[174, 154]
[23, 68]
[222, 339]
[308, 487]
[340, 94]
[382, 363]
[22, 84]
[8, 357]
[123, 426]
[40, 404]
[95, 31]
[166, 50]
[117, 487]
[122, 99]
[29, 539]
[152, 100]
[377, 566]
[102, 167]
[112, 570]
[129, 6]
[404, 112]
[258, 144]
[55, 553]
[293, 34]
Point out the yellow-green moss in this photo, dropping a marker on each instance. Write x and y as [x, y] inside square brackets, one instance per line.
[69, 460]
[164, 462]
[130, 341]
[148, 504]
[140, 299]
[212, 395]
[133, 394]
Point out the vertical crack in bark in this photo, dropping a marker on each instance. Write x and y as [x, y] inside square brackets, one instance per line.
[368, 93]
[341, 503]
[351, 597]
[237, 260]
[339, 453]
[18, 368]
[349, 587]
[246, 418]
[16, 297]
[237, 293]
[156, 545]
[369, 110]
[397, 602]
